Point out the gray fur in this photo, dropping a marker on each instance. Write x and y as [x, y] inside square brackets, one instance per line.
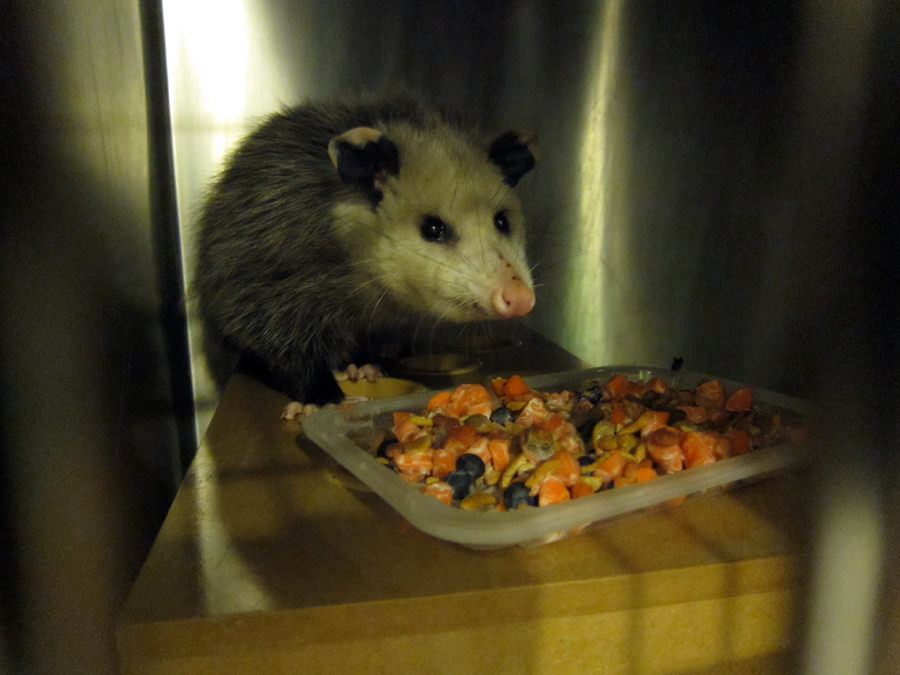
[295, 266]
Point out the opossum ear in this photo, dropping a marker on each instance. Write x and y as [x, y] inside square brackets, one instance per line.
[365, 157]
[515, 152]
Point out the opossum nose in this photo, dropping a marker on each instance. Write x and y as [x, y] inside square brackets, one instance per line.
[514, 298]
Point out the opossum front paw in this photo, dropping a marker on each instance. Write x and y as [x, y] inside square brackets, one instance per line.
[297, 412]
[353, 373]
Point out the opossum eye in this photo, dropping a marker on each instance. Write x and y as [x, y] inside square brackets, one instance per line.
[434, 229]
[501, 222]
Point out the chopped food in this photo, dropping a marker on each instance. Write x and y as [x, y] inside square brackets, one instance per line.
[508, 446]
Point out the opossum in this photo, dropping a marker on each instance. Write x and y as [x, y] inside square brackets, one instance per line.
[333, 221]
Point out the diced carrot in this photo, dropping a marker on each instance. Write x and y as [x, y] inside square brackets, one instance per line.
[556, 424]
[497, 385]
[659, 385]
[617, 414]
[634, 388]
[444, 461]
[400, 418]
[669, 458]
[560, 399]
[480, 448]
[694, 414]
[645, 473]
[740, 442]
[740, 400]
[721, 445]
[624, 480]
[569, 471]
[552, 492]
[415, 463]
[439, 400]
[515, 386]
[698, 449]
[665, 436]
[650, 420]
[662, 445]
[455, 446]
[534, 411]
[580, 489]
[631, 470]
[711, 394]
[499, 449]
[440, 491]
[407, 431]
[465, 435]
[411, 477]
[611, 467]
[571, 443]
[615, 386]
[464, 397]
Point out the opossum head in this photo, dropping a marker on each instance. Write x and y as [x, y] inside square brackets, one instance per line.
[434, 224]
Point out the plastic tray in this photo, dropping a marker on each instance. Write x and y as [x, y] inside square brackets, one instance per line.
[347, 434]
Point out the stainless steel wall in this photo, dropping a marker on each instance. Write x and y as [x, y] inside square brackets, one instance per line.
[88, 430]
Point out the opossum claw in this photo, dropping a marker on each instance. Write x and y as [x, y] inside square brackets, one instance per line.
[297, 412]
[353, 373]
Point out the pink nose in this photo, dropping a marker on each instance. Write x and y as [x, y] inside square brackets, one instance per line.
[514, 298]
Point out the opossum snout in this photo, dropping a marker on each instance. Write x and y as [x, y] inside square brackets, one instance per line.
[513, 298]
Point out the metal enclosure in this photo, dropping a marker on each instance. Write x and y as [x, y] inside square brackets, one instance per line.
[716, 182]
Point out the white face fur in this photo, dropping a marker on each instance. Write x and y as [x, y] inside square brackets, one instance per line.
[447, 234]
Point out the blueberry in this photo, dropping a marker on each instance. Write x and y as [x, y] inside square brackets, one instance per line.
[516, 495]
[461, 482]
[502, 415]
[584, 460]
[472, 464]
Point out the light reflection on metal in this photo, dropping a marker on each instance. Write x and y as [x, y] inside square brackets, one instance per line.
[587, 332]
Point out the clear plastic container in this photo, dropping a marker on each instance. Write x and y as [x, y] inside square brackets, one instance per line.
[348, 435]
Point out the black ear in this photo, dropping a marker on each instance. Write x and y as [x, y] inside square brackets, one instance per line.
[365, 157]
[514, 152]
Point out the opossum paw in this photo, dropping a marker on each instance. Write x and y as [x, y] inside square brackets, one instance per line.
[297, 412]
[353, 373]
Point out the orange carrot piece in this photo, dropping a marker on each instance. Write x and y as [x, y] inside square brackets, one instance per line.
[400, 418]
[499, 449]
[515, 386]
[740, 400]
[439, 400]
[552, 492]
[615, 386]
[695, 414]
[569, 471]
[411, 477]
[580, 489]
[497, 385]
[698, 449]
[623, 480]
[407, 431]
[465, 435]
[455, 446]
[611, 467]
[617, 414]
[645, 473]
[711, 394]
[415, 463]
[481, 448]
[662, 445]
[444, 461]
[740, 442]
[440, 491]
[657, 384]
